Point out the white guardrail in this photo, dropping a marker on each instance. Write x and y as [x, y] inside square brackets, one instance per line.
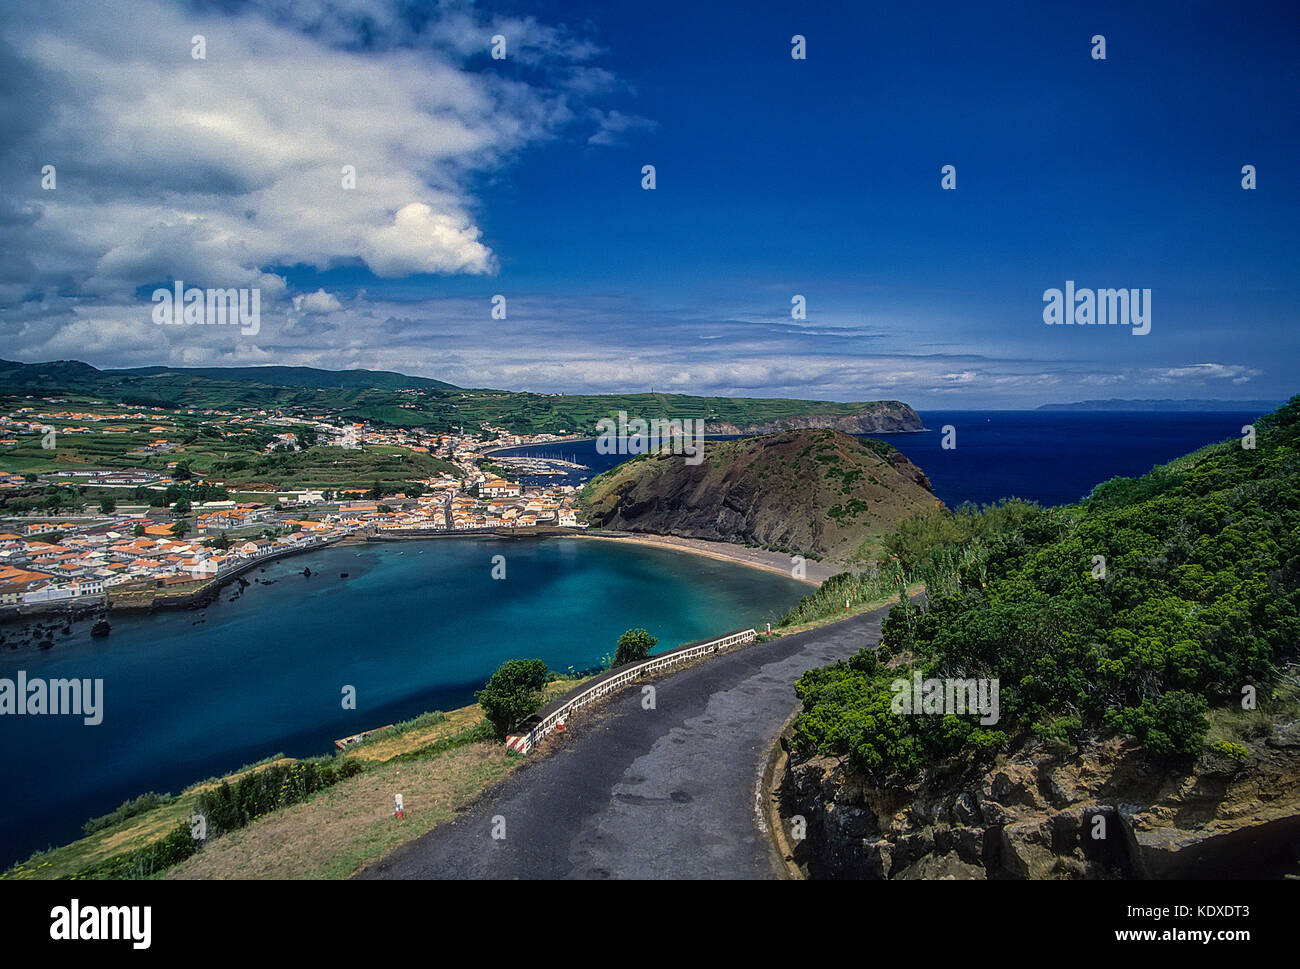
[523, 743]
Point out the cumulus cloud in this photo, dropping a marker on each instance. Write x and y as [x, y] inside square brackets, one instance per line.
[421, 240]
[221, 171]
[215, 170]
[317, 303]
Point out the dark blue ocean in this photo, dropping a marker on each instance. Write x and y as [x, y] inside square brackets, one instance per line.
[1051, 457]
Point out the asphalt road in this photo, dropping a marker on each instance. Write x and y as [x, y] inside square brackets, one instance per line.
[633, 793]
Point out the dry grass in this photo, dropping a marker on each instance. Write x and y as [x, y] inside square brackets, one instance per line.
[343, 828]
[331, 834]
[858, 609]
[407, 741]
[134, 833]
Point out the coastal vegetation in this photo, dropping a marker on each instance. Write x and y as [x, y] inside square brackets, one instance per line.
[128, 809]
[512, 694]
[439, 760]
[634, 646]
[226, 808]
[1138, 612]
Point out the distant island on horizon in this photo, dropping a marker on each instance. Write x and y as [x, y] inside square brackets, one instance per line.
[1191, 404]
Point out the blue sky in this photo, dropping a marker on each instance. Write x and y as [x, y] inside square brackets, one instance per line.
[775, 177]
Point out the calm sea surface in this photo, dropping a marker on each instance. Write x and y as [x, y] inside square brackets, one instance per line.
[416, 626]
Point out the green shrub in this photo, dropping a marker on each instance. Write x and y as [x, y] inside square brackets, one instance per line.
[1200, 594]
[127, 810]
[513, 694]
[634, 646]
[259, 792]
[1233, 751]
[149, 860]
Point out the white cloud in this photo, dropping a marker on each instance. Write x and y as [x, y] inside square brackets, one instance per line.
[1206, 371]
[317, 303]
[421, 240]
[615, 124]
[213, 170]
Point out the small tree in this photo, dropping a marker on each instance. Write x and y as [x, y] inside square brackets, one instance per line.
[107, 506]
[634, 646]
[181, 528]
[376, 492]
[138, 531]
[512, 694]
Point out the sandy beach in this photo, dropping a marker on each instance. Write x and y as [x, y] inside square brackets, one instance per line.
[815, 572]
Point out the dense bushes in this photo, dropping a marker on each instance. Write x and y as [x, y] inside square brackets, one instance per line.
[512, 694]
[267, 789]
[1134, 611]
[634, 646]
[149, 860]
[126, 810]
[828, 599]
[847, 713]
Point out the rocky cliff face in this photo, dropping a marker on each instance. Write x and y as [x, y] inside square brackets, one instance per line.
[882, 417]
[818, 492]
[1100, 814]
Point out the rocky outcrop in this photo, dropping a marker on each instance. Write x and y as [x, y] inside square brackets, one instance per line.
[810, 492]
[1104, 813]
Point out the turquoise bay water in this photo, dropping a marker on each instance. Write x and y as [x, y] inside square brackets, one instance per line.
[416, 626]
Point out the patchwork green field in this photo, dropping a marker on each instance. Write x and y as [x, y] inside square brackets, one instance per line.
[397, 400]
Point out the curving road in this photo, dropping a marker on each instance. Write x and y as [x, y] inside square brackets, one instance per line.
[635, 793]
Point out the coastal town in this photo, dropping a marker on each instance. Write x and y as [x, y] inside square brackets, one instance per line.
[143, 530]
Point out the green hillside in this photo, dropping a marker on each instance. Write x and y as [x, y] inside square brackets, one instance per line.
[811, 492]
[1198, 607]
[397, 400]
[295, 376]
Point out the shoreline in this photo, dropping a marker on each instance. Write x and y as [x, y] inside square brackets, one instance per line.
[776, 563]
[716, 550]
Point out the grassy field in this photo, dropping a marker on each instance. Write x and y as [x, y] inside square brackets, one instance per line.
[240, 462]
[136, 832]
[339, 830]
[436, 761]
[390, 399]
